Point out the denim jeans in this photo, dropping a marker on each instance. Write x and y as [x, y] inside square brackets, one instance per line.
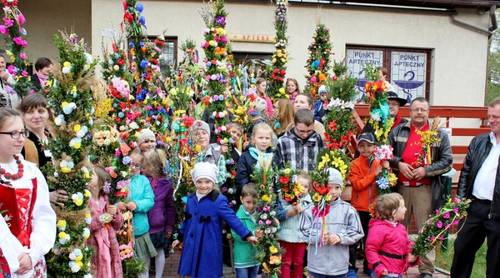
[247, 272]
[316, 275]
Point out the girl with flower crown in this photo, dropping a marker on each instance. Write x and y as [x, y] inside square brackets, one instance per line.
[106, 220]
[27, 222]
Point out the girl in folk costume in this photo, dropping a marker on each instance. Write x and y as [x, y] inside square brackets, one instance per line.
[106, 220]
[27, 222]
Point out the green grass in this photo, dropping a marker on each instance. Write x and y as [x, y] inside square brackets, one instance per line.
[444, 259]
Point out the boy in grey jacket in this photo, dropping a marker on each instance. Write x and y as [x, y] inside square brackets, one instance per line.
[331, 260]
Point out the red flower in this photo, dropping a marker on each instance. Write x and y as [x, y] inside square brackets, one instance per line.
[283, 72]
[284, 180]
[322, 189]
[188, 122]
[332, 125]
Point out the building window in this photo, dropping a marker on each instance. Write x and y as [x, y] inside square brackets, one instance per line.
[168, 54]
[408, 68]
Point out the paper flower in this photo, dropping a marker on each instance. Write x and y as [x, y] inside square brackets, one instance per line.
[66, 67]
[66, 166]
[86, 233]
[75, 143]
[61, 225]
[59, 120]
[77, 198]
[68, 107]
[88, 218]
[63, 238]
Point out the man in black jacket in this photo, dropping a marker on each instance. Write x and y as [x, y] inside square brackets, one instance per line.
[419, 173]
[480, 182]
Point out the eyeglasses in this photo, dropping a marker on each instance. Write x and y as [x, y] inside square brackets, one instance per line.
[16, 134]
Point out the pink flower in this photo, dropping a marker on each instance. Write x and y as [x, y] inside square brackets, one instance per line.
[24, 73]
[8, 22]
[3, 29]
[12, 69]
[446, 215]
[23, 55]
[20, 41]
[269, 222]
[455, 210]
[455, 223]
[261, 222]
[117, 152]
[439, 224]
[21, 19]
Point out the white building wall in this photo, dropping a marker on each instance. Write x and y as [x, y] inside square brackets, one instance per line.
[459, 56]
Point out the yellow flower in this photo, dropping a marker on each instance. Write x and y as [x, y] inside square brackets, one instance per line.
[61, 224]
[276, 260]
[328, 197]
[62, 235]
[273, 249]
[86, 193]
[316, 197]
[66, 64]
[393, 179]
[266, 198]
[77, 127]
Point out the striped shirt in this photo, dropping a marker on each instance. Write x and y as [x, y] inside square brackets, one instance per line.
[297, 153]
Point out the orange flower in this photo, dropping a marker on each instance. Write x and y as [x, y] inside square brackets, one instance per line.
[322, 77]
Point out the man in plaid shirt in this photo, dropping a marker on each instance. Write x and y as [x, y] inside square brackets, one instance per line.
[299, 147]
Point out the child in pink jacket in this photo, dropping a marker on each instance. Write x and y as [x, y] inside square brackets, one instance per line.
[388, 249]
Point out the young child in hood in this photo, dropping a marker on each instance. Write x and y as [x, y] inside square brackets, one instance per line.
[343, 228]
[388, 249]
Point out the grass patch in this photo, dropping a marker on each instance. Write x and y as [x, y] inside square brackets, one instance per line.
[444, 259]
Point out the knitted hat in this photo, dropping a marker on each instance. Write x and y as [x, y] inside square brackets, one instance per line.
[322, 90]
[335, 177]
[146, 134]
[204, 170]
[198, 124]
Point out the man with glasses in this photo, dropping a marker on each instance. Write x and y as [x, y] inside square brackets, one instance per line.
[299, 147]
[480, 181]
[419, 181]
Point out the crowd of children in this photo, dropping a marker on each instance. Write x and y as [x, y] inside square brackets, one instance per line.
[288, 134]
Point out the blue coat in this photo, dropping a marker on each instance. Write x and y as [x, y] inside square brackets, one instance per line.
[202, 234]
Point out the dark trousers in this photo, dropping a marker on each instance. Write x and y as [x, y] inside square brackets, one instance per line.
[476, 228]
[365, 217]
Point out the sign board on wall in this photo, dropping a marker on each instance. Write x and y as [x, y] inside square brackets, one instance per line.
[252, 38]
[356, 60]
[408, 74]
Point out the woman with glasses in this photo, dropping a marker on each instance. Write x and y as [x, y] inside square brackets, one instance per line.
[27, 222]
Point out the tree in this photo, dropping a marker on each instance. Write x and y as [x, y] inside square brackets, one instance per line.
[493, 89]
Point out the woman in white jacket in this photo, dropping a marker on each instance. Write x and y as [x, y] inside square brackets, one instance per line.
[27, 223]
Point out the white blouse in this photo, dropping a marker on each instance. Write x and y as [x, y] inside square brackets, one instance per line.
[43, 221]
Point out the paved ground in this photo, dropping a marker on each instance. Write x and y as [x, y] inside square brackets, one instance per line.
[173, 260]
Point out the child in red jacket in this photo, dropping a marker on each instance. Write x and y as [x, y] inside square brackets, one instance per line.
[388, 249]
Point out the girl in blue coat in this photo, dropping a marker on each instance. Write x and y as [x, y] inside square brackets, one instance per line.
[202, 230]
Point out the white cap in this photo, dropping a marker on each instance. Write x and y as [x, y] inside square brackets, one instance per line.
[335, 177]
[204, 170]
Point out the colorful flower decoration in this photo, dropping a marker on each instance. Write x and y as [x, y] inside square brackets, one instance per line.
[12, 27]
[280, 56]
[445, 221]
[318, 63]
[72, 100]
[268, 249]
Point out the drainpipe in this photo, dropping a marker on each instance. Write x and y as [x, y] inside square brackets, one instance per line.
[469, 26]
